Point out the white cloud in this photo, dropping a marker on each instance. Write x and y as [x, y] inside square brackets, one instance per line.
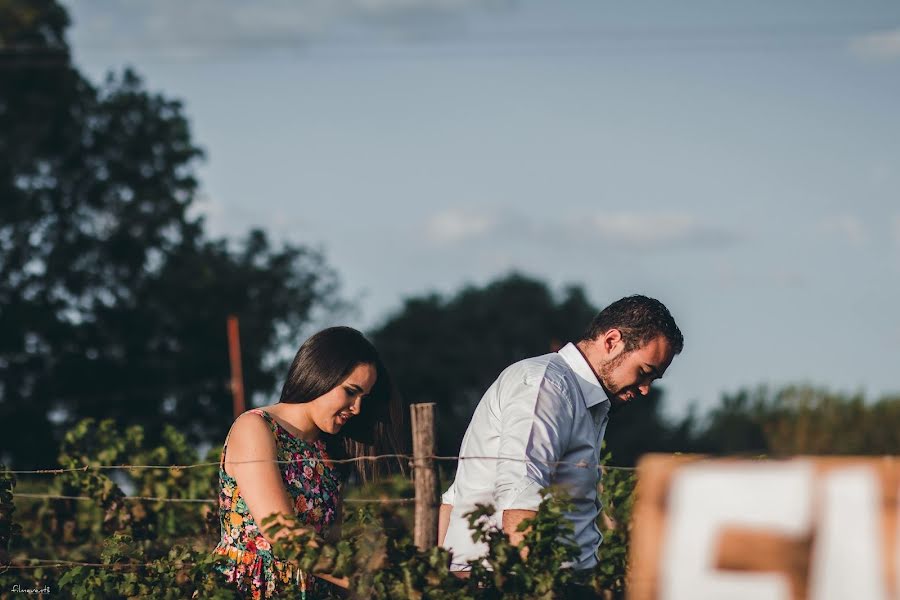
[846, 227]
[642, 230]
[383, 5]
[651, 231]
[626, 231]
[879, 45]
[202, 26]
[456, 226]
[896, 229]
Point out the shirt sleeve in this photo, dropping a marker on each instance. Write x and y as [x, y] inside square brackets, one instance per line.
[449, 496]
[536, 422]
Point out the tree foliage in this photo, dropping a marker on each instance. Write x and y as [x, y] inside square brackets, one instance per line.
[113, 297]
[801, 419]
[449, 350]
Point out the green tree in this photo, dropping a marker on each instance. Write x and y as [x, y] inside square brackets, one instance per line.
[801, 419]
[640, 426]
[449, 350]
[113, 298]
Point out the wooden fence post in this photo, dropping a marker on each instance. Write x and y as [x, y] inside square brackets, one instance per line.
[234, 357]
[424, 475]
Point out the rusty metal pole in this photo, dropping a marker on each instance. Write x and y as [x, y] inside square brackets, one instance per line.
[425, 477]
[234, 356]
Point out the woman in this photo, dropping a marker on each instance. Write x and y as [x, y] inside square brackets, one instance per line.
[337, 401]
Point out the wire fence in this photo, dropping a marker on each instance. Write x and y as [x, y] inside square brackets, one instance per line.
[413, 459]
[56, 564]
[410, 457]
[201, 500]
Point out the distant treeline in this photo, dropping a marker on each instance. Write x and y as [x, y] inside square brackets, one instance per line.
[765, 422]
[448, 350]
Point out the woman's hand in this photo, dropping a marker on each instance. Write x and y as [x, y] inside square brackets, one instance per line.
[341, 582]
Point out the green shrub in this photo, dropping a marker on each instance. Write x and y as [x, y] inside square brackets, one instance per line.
[162, 550]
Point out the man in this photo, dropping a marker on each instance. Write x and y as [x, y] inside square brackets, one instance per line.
[542, 422]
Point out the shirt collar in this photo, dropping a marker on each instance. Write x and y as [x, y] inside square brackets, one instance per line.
[591, 389]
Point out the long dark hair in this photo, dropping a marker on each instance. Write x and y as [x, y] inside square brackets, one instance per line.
[321, 364]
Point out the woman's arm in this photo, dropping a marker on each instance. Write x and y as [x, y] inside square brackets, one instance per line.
[334, 536]
[260, 482]
[341, 582]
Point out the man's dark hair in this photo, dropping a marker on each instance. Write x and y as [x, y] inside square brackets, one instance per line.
[639, 319]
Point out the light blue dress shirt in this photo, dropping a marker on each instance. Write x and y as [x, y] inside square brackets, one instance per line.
[540, 423]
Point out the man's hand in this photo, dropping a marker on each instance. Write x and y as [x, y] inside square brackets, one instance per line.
[511, 520]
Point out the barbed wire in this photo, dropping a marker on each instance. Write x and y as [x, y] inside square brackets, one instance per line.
[135, 498]
[199, 500]
[412, 458]
[579, 464]
[58, 563]
[312, 460]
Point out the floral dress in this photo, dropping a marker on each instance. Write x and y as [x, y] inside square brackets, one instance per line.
[314, 488]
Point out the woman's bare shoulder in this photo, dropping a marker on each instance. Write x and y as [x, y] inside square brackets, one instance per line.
[250, 433]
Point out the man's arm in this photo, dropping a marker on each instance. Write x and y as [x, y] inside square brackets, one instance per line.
[443, 522]
[536, 424]
[511, 519]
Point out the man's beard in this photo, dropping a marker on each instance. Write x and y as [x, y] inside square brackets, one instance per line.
[604, 374]
[612, 390]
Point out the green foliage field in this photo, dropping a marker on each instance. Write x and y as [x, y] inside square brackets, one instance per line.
[162, 550]
[152, 549]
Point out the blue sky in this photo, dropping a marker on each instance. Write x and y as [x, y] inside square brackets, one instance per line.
[738, 160]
